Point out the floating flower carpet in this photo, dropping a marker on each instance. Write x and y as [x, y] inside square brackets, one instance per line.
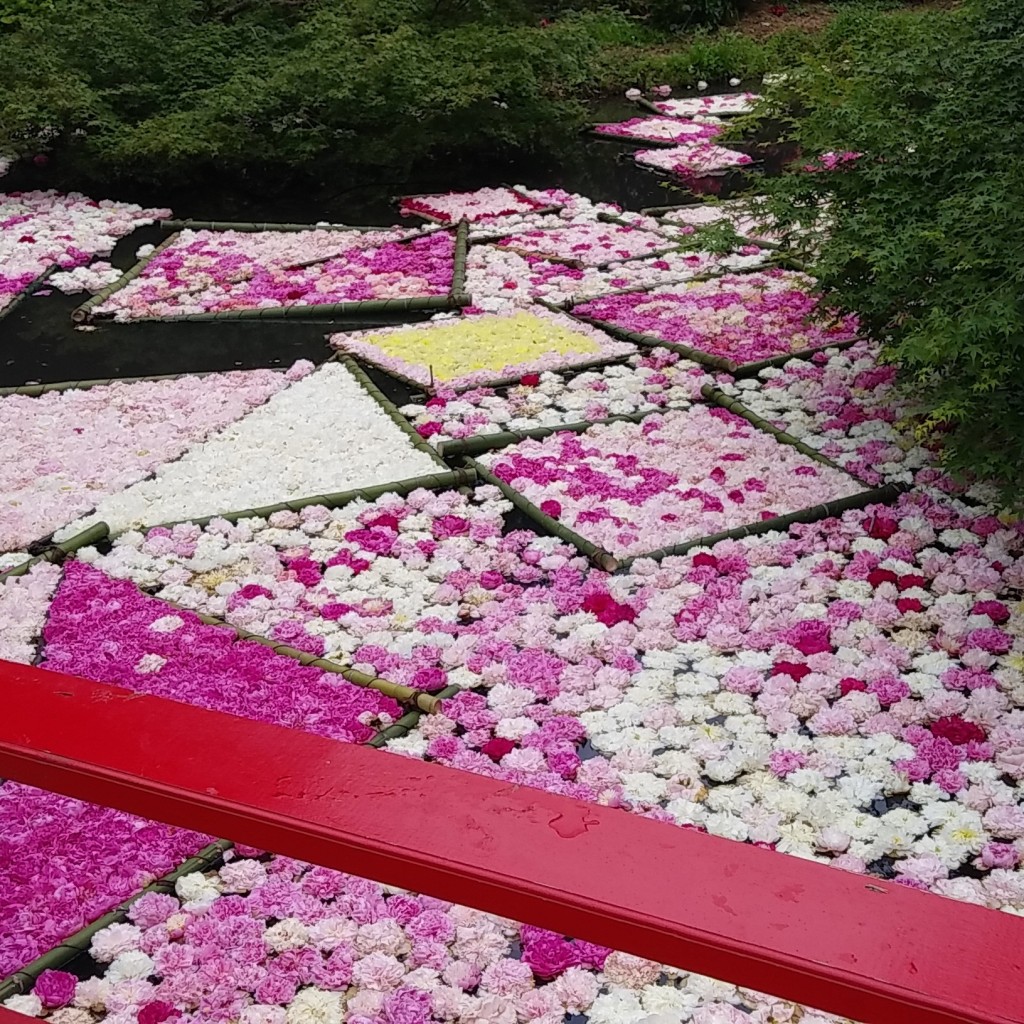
[482, 349]
[692, 161]
[666, 131]
[847, 687]
[222, 272]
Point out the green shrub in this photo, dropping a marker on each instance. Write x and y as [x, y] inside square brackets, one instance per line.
[925, 236]
[162, 88]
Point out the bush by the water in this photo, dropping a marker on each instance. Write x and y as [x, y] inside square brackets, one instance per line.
[158, 88]
[925, 228]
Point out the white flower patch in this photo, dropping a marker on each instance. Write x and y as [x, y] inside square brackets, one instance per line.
[323, 434]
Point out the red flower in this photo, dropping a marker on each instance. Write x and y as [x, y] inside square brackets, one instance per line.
[881, 529]
[778, 10]
[791, 669]
[530, 380]
[909, 604]
[551, 508]
[995, 610]
[705, 559]
[879, 576]
[908, 581]
[497, 748]
[849, 685]
[957, 730]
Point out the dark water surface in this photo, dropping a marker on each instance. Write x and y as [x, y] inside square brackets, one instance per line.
[38, 342]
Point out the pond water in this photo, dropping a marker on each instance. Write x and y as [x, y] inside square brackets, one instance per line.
[40, 344]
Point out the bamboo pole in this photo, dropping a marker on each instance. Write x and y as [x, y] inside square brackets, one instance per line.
[325, 311]
[392, 411]
[85, 310]
[827, 510]
[21, 981]
[411, 718]
[28, 290]
[458, 288]
[35, 390]
[56, 553]
[601, 558]
[403, 694]
[253, 227]
[650, 341]
[449, 479]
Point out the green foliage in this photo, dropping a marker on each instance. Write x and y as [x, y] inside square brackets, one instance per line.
[925, 237]
[12, 11]
[170, 87]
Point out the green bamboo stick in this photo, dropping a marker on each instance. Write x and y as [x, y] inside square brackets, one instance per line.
[827, 510]
[35, 390]
[389, 407]
[650, 341]
[449, 479]
[505, 382]
[22, 980]
[489, 442]
[251, 226]
[735, 406]
[752, 369]
[601, 558]
[411, 719]
[403, 694]
[85, 310]
[326, 311]
[28, 290]
[56, 553]
[458, 289]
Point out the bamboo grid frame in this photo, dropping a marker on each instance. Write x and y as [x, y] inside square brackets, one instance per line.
[36, 390]
[455, 298]
[424, 702]
[58, 552]
[605, 560]
[22, 980]
[34, 285]
[671, 228]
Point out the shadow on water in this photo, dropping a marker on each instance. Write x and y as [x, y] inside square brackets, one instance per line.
[38, 342]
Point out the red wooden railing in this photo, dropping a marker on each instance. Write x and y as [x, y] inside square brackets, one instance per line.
[866, 949]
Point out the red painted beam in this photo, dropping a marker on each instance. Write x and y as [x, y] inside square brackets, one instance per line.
[865, 949]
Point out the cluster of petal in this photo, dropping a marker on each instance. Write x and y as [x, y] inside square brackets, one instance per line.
[675, 130]
[39, 230]
[24, 601]
[693, 159]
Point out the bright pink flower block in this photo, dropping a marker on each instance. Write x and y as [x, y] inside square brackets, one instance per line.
[107, 630]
